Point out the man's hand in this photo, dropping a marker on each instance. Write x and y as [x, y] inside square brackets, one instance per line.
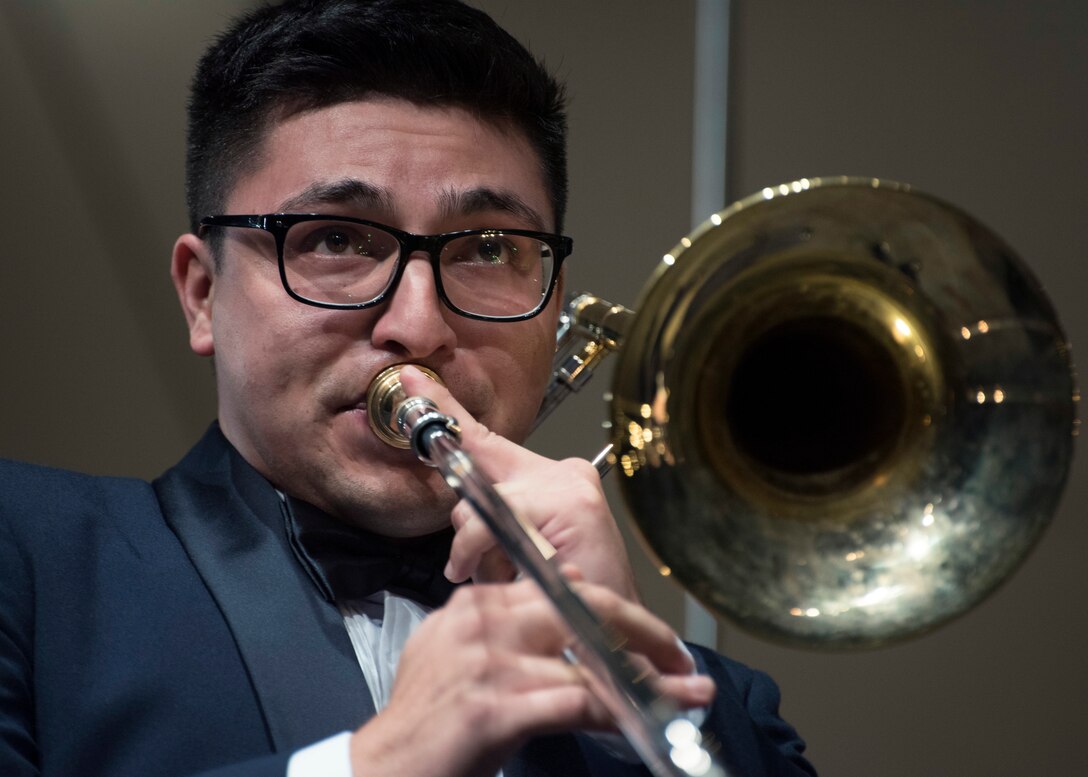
[486, 672]
[563, 499]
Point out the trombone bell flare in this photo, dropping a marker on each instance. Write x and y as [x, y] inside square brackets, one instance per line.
[843, 412]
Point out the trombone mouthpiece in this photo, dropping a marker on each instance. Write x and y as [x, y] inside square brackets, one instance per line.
[384, 398]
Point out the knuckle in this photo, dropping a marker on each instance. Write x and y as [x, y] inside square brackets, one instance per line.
[581, 469]
[484, 435]
[460, 514]
[480, 663]
[583, 484]
[603, 600]
[478, 711]
[464, 597]
[467, 607]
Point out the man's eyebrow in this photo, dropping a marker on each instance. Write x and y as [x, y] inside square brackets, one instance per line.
[346, 191]
[483, 199]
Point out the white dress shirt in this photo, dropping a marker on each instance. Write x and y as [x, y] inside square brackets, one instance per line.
[378, 628]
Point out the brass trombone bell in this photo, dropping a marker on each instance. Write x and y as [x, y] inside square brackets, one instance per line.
[843, 412]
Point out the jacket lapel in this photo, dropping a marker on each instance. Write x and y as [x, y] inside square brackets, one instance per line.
[293, 643]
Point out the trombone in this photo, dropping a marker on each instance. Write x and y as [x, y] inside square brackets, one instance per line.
[842, 415]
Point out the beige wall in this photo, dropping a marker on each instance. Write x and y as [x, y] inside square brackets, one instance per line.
[980, 102]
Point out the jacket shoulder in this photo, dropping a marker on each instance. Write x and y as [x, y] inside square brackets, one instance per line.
[746, 720]
[39, 496]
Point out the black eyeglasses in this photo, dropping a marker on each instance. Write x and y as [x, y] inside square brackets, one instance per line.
[346, 263]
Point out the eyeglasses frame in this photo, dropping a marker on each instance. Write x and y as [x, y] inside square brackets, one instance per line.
[278, 224]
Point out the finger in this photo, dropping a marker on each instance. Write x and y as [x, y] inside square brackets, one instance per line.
[416, 383]
[510, 595]
[687, 691]
[498, 457]
[572, 573]
[471, 543]
[475, 552]
[512, 614]
[538, 623]
[494, 566]
[556, 710]
[640, 630]
[522, 673]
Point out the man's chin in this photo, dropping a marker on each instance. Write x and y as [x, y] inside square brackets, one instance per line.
[404, 506]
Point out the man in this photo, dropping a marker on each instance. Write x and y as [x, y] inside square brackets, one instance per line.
[250, 609]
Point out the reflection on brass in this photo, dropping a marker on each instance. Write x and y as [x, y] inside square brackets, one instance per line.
[843, 412]
[382, 399]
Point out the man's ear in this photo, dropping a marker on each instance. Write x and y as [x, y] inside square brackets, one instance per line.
[192, 270]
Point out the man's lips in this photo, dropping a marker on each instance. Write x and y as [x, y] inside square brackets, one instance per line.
[358, 403]
[358, 407]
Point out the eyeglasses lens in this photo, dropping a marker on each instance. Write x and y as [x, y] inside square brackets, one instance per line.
[496, 273]
[489, 274]
[338, 261]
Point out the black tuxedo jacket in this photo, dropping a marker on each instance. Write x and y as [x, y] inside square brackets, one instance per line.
[166, 629]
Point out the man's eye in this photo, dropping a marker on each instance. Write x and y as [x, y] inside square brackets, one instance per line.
[493, 250]
[335, 243]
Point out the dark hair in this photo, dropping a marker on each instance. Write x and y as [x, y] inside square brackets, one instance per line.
[302, 55]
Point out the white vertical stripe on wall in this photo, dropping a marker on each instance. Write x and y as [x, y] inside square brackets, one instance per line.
[709, 120]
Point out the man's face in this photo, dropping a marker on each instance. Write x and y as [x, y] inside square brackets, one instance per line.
[292, 378]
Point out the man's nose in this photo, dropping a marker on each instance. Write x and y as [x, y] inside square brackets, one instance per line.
[414, 322]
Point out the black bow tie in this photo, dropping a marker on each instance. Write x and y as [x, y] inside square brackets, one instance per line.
[347, 563]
